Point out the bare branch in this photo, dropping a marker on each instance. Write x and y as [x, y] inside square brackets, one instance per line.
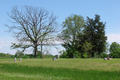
[32, 25]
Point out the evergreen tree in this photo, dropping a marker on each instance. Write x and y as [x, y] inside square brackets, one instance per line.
[95, 34]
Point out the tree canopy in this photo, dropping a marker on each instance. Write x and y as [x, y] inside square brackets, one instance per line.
[72, 27]
[80, 36]
[115, 50]
[95, 34]
[32, 27]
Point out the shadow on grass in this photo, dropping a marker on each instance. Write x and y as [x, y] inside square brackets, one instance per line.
[12, 71]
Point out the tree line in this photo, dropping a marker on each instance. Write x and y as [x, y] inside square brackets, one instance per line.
[80, 36]
[36, 28]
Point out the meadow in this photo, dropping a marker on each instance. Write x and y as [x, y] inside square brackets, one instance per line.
[60, 69]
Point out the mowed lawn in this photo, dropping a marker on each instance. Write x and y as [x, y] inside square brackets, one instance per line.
[60, 69]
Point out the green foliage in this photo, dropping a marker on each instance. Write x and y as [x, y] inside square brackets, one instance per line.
[104, 55]
[19, 53]
[87, 47]
[94, 33]
[15, 46]
[3, 55]
[39, 54]
[115, 50]
[85, 55]
[72, 28]
[77, 54]
[63, 54]
[83, 37]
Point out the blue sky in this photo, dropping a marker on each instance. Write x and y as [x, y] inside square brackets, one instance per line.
[109, 10]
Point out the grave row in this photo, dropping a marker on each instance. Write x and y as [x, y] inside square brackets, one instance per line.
[20, 59]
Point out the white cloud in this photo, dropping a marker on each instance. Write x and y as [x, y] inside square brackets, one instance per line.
[5, 46]
[113, 38]
[6, 43]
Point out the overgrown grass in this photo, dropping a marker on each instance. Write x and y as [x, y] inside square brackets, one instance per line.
[61, 69]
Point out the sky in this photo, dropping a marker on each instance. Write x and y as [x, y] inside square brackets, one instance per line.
[109, 11]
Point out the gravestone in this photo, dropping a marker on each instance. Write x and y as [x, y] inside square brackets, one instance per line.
[20, 59]
[105, 58]
[54, 58]
[74, 56]
[15, 60]
[57, 56]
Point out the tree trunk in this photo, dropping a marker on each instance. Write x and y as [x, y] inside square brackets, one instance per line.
[92, 55]
[35, 49]
[41, 49]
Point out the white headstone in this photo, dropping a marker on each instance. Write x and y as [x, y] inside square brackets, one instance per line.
[105, 58]
[15, 59]
[58, 56]
[20, 59]
[54, 58]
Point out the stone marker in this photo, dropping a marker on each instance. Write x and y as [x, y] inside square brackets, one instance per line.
[54, 58]
[20, 59]
[105, 58]
[74, 56]
[57, 56]
[14, 59]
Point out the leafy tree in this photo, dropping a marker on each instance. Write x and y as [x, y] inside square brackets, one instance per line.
[87, 47]
[19, 53]
[63, 54]
[32, 27]
[95, 34]
[5, 55]
[115, 50]
[104, 55]
[72, 27]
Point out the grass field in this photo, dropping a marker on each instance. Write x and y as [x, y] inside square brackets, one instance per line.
[60, 69]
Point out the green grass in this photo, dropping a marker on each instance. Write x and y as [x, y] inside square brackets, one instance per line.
[60, 69]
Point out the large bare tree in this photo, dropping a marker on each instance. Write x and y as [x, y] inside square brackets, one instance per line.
[32, 27]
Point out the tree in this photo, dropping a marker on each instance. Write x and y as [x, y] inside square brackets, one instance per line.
[31, 27]
[87, 47]
[19, 53]
[72, 27]
[95, 34]
[115, 50]
[63, 54]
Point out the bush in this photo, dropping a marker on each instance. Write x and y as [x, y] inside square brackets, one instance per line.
[63, 54]
[19, 54]
[104, 55]
[5, 55]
